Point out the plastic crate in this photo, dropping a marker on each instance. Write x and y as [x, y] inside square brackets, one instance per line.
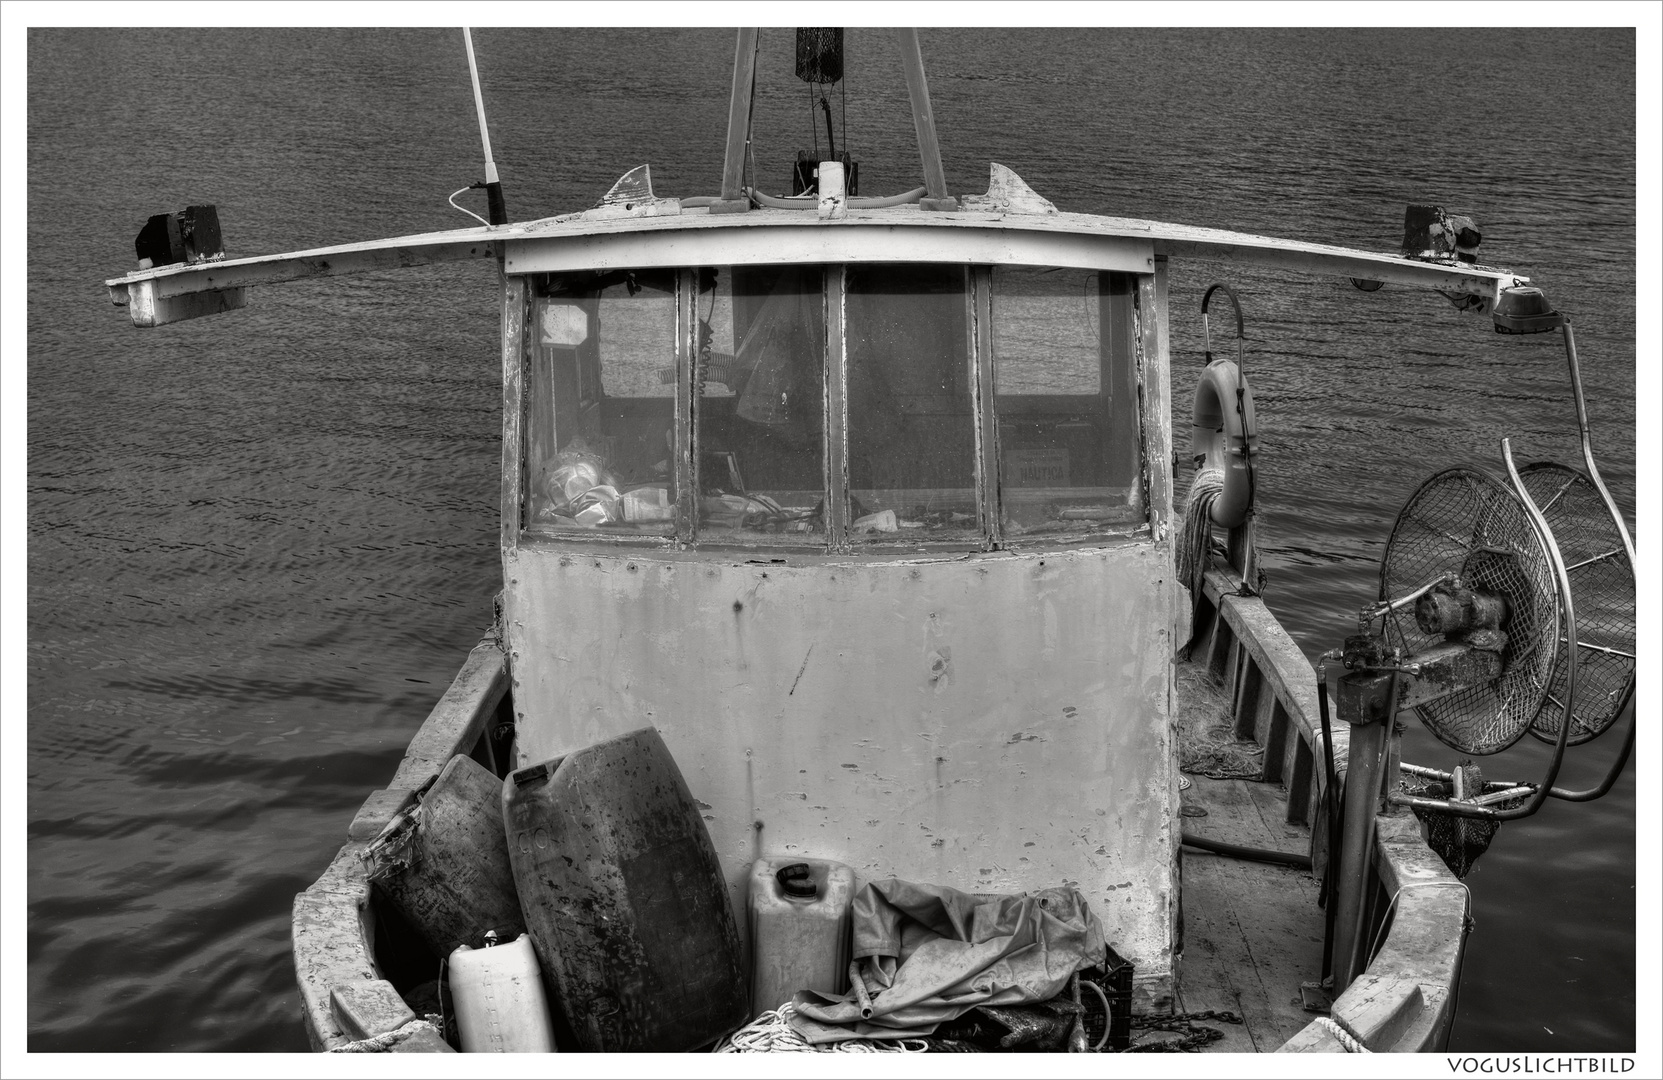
[1114, 977]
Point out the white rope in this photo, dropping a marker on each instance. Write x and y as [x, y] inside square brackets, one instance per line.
[772, 1033]
[1352, 1046]
[464, 209]
[380, 1044]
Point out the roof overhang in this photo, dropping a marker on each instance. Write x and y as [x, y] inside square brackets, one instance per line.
[667, 235]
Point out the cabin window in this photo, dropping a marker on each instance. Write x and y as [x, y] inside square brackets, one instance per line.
[911, 413]
[602, 416]
[759, 392]
[1065, 400]
[832, 407]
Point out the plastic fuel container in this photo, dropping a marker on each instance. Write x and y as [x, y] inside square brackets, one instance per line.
[444, 863]
[799, 929]
[500, 1004]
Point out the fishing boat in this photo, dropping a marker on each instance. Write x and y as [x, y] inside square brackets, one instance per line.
[868, 507]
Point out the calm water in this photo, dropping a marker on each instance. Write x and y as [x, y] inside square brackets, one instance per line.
[260, 544]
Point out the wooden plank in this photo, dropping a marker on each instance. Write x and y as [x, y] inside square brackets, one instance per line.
[378, 811]
[1282, 662]
[1248, 696]
[147, 309]
[1221, 649]
[1304, 781]
[330, 933]
[923, 122]
[514, 407]
[1252, 930]
[1155, 379]
[389, 254]
[483, 242]
[458, 719]
[837, 409]
[791, 236]
[988, 505]
[739, 122]
[1270, 730]
[1216, 244]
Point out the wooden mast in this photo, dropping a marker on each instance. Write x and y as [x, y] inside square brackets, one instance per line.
[734, 200]
[923, 120]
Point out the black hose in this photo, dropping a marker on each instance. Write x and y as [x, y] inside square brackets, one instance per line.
[1286, 858]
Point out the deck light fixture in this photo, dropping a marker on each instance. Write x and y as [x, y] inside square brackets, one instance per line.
[1524, 310]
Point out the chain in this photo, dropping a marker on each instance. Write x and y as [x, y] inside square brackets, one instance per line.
[1193, 1037]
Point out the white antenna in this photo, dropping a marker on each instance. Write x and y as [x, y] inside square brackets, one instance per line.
[493, 186]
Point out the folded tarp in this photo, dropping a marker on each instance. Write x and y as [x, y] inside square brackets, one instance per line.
[928, 953]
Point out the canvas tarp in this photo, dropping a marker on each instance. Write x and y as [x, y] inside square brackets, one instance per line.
[929, 953]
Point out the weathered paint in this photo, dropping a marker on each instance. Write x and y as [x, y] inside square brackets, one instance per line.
[1007, 233]
[878, 236]
[991, 722]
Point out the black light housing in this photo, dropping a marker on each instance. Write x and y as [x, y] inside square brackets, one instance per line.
[1525, 310]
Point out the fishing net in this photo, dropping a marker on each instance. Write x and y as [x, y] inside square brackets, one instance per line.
[1466, 522]
[819, 54]
[1602, 595]
[1458, 841]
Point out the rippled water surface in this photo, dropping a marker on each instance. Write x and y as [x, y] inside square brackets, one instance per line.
[259, 545]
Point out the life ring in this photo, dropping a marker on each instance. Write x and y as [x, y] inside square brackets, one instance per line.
[1224, 436]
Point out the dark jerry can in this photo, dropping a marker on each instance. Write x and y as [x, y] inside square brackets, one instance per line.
[624, 898]
[444, 864]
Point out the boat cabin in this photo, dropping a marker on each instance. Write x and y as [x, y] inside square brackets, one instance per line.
[859, 515]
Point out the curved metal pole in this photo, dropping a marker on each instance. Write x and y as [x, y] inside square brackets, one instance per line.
[1587, 446]
[1616, 769]
[1628, 546]
[1206, 332]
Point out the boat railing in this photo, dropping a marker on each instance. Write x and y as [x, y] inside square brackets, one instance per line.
[344, 995]
[1404, 1000]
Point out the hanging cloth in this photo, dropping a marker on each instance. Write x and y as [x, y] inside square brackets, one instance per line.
[928, 953]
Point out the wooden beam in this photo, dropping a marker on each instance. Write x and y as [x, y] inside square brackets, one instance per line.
[923, 121]
[173, 293]
[739, 125]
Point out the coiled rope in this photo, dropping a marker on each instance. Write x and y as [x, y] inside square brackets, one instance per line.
[772, 1033]
[380, 1044]
[1196, 535]
[1352, 1046]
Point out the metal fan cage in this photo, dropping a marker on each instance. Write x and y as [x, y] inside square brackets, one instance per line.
[1467, 522]
[1602, 591]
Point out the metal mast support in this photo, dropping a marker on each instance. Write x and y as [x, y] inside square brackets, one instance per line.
[929, 149]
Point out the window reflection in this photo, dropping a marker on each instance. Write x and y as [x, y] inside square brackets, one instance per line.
[601, 433]
[1065, 372]
[912, 437]
[760, 403]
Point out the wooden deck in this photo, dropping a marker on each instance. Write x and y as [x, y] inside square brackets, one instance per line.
[1252, 749]
[1252, 931]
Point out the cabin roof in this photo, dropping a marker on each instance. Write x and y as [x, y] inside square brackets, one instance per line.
[655, 229]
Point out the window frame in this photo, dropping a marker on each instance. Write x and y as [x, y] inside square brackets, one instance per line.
[980, 369]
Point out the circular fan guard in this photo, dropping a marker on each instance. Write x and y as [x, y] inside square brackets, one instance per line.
[1466, 522]
[1602, 589]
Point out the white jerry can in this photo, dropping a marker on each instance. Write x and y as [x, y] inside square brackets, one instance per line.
[800, 924]
[499, 999]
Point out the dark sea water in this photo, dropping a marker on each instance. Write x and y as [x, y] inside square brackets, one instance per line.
[259, 545]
